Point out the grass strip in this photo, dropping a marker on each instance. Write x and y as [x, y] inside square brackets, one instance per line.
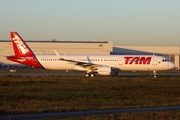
[43, 94]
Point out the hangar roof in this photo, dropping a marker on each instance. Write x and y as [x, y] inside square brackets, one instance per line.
[53, 40]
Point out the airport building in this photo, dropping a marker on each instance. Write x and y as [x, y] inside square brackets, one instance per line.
[87, 47]
[63, 47]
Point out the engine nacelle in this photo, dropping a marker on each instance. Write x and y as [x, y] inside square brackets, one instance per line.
[107, 71]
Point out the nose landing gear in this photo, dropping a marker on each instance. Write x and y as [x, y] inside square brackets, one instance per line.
[154, 73]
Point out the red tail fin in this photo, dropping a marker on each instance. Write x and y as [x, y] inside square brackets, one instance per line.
[20, 47]
[23, 53]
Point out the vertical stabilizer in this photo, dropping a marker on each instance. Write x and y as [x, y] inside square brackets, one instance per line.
[20, 47]
[23, 54]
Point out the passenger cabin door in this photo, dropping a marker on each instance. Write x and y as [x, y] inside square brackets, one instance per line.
[154, 60]
[120, 61]
[78, 59]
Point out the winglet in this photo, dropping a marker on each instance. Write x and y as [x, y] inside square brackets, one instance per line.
[58, 55]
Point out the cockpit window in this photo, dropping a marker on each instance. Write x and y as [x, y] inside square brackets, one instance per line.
[165, 60]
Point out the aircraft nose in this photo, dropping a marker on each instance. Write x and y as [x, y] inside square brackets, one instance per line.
[171, 65]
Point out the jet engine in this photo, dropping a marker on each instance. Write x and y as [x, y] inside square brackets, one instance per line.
[107, 71]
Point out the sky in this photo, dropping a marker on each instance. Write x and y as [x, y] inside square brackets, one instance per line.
[125, 22]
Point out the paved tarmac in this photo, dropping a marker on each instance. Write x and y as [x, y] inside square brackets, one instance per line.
[86, 113]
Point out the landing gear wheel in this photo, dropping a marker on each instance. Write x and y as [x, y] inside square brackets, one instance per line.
[92, 75]
[87, 75]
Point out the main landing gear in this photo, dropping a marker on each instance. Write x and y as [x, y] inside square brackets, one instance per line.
[89, 75]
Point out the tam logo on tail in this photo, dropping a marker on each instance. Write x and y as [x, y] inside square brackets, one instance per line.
[21, 46]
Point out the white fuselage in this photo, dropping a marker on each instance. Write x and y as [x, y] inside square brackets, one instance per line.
[123, 62]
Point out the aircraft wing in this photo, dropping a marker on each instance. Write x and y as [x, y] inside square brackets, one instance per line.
[82, 64]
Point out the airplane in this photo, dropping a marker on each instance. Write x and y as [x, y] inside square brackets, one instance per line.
[100, 64]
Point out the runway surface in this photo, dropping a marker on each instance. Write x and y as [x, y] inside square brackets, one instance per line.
[81, 74]
[86, 113]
